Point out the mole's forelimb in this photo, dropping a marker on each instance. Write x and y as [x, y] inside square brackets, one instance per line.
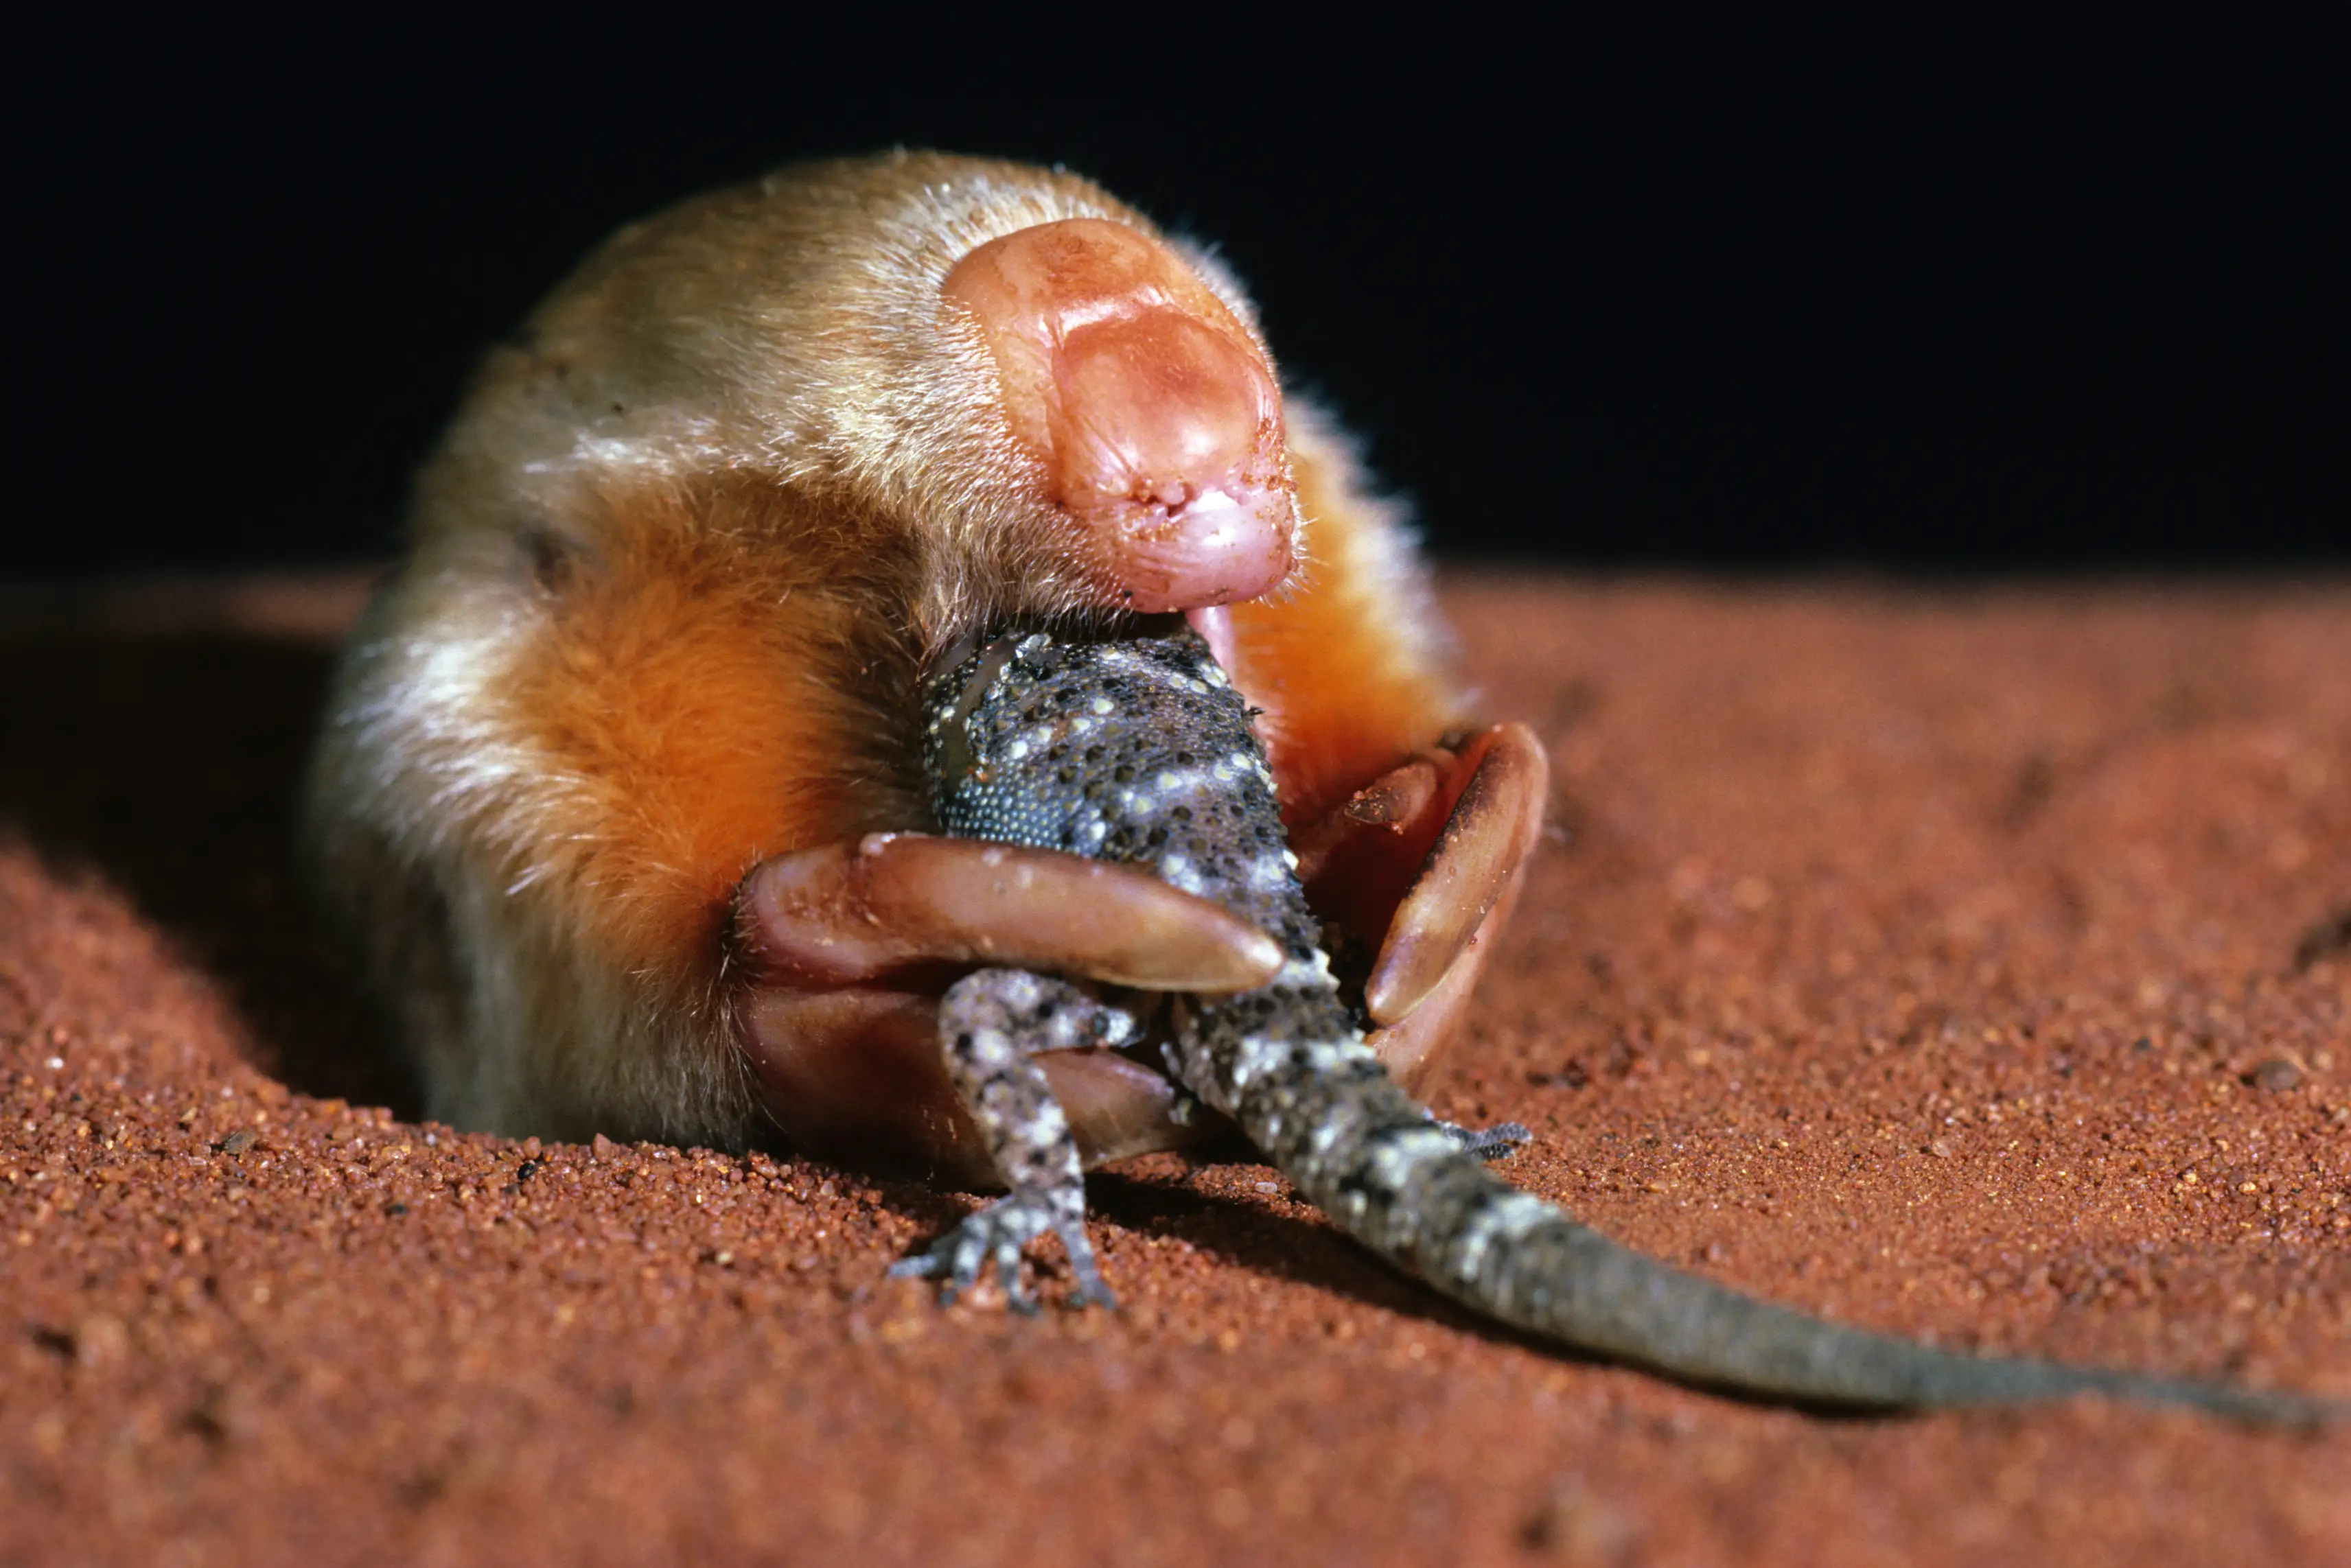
[1140, 752]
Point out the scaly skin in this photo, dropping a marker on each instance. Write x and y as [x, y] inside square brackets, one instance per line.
[1140, 752]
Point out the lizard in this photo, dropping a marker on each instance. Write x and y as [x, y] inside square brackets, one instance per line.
[1138, 750]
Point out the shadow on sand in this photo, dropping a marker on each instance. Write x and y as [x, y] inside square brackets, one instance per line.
[168, 762]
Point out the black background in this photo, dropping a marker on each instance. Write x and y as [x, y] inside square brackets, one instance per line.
[1949, 296]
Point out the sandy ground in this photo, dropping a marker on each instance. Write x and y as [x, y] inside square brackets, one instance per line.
[1974, 965]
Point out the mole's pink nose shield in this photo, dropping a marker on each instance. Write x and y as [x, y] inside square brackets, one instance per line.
[1154, 413]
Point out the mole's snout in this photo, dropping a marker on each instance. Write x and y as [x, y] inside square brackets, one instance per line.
[1154, 415]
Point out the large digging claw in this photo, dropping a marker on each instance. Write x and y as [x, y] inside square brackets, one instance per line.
[999, 1232]
[1493, 827]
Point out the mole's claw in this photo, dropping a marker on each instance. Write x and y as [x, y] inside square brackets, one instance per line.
[1495, 823]
[840, 914]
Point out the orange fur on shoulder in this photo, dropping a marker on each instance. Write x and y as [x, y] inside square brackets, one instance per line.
[700, 679]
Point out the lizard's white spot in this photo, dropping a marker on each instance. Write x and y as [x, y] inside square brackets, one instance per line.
[1399, 1156]
[1505, 1219]
[1305, 971]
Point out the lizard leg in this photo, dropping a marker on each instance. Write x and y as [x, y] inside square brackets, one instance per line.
[992, 1023]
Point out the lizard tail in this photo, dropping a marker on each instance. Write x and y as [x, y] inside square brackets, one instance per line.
[1401, 1185]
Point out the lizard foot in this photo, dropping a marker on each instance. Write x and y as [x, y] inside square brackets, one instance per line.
[1000, 1231]
[994, 1026]
[1489, 1143]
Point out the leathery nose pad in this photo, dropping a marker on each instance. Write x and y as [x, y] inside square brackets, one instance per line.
[1154, 416]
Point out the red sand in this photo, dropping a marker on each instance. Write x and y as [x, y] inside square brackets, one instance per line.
[1971, 965]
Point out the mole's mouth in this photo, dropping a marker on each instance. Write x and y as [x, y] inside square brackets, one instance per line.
[1084, 626]
[1215, 625]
